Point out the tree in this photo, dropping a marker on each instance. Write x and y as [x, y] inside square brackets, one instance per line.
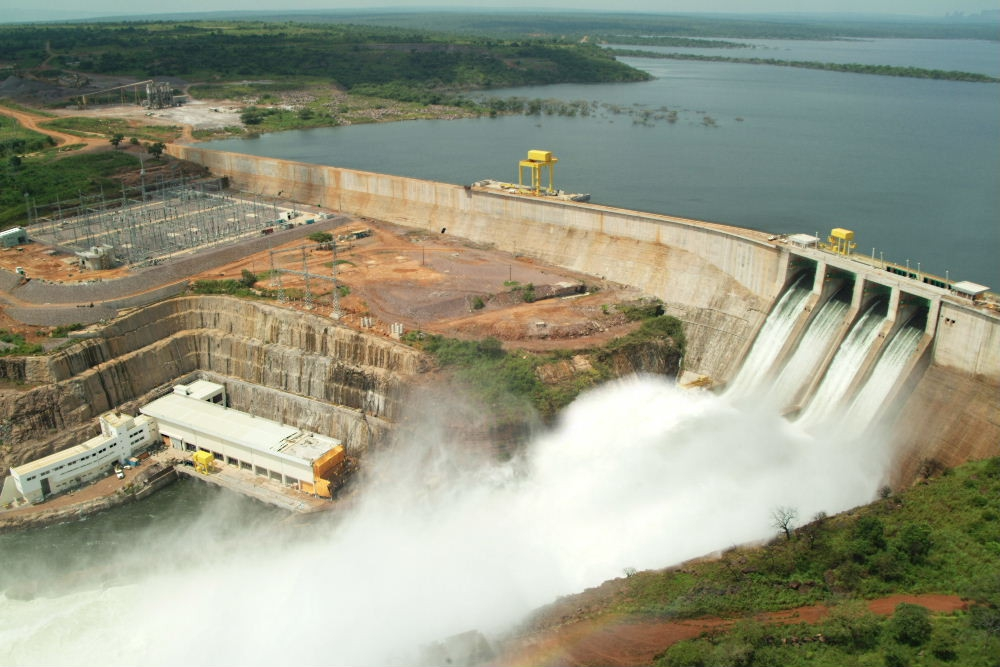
[116, 139]
[248, 278]
[915, 541]
[910, 624]
[320, 237]
[156, 150]
[783, 518]
[252, 116]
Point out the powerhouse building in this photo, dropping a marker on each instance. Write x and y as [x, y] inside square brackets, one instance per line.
[121, 437]
[194, 418]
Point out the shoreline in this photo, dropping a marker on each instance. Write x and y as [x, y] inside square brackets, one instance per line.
[160, 470]
[99, 496]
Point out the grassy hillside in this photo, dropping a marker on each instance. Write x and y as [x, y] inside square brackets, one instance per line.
[941, 536]
[49, 177]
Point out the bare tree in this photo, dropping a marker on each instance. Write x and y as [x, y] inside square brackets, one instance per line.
[783, 518]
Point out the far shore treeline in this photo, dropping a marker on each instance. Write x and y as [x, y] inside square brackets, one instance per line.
[854, 68]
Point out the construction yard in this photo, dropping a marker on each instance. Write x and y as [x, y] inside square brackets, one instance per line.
[389, 279]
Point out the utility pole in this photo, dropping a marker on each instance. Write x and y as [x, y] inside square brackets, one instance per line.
[335, 295]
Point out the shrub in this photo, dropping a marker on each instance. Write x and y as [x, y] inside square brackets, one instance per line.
[688, 654]
[320, 237]
[248, 278]
[853, 626]
[944, 645]
[641, 311]
[910, 624]
[63, 329]
[915, 541]
[478, 303]
[869, 536]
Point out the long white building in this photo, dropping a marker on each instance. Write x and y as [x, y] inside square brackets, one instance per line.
[121, 437]
[193, 418]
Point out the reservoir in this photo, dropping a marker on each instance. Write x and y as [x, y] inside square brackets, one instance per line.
[911, 165]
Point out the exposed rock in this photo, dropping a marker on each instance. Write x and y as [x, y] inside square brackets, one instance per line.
[305, 366]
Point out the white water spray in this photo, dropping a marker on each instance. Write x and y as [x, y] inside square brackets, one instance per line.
[638, 474]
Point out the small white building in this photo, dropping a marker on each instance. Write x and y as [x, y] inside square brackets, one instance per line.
[203, 390]
[98, 258]
[13, 237]
[968, 289]
[121, 437]
[193, 418]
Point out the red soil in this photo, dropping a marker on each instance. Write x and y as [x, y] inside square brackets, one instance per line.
[617, 641]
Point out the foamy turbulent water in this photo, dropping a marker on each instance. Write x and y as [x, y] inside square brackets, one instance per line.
[638, 474]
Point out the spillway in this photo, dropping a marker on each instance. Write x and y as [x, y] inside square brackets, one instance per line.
[884, 376]
[843, 368]
[770, 340]
[809, 353]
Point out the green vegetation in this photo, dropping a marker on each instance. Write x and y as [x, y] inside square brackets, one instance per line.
[227, 286]
[660, 327]
[938, 537]
[853, 68]
[683, 42]
[320, 237]
[389, 61]
[509, 382]
[16, 140]
[613, 28]
[47, 179]
[505, 382]
[112, 127]
[642, 310]
[63, 329]
[242, 287]
[14, 345]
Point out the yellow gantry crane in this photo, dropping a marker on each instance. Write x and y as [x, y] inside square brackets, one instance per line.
[841, 241]
[536, 160]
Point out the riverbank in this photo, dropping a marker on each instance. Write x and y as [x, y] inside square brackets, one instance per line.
[156, 472]
[140, 482]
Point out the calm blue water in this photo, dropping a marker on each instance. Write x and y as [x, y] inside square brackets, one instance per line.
[913, 166]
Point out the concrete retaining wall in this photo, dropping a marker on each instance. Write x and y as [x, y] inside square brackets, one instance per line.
[968, 340]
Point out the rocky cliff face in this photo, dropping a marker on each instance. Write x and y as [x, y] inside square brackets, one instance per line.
[320, 376]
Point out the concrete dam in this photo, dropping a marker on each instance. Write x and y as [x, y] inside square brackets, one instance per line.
[722, 282]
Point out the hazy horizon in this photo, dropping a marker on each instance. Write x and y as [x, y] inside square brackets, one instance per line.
[18, 11]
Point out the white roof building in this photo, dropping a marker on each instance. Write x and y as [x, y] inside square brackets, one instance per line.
[969, 289]
[277, 451]
[121, 437]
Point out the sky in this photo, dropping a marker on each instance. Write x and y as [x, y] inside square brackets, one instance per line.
[17, 10]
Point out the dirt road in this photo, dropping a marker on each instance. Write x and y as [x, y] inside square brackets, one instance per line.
[31, 121]
[619, 641]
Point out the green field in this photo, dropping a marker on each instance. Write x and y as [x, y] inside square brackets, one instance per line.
[15, 140]
[49, 178]
[108, 127]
